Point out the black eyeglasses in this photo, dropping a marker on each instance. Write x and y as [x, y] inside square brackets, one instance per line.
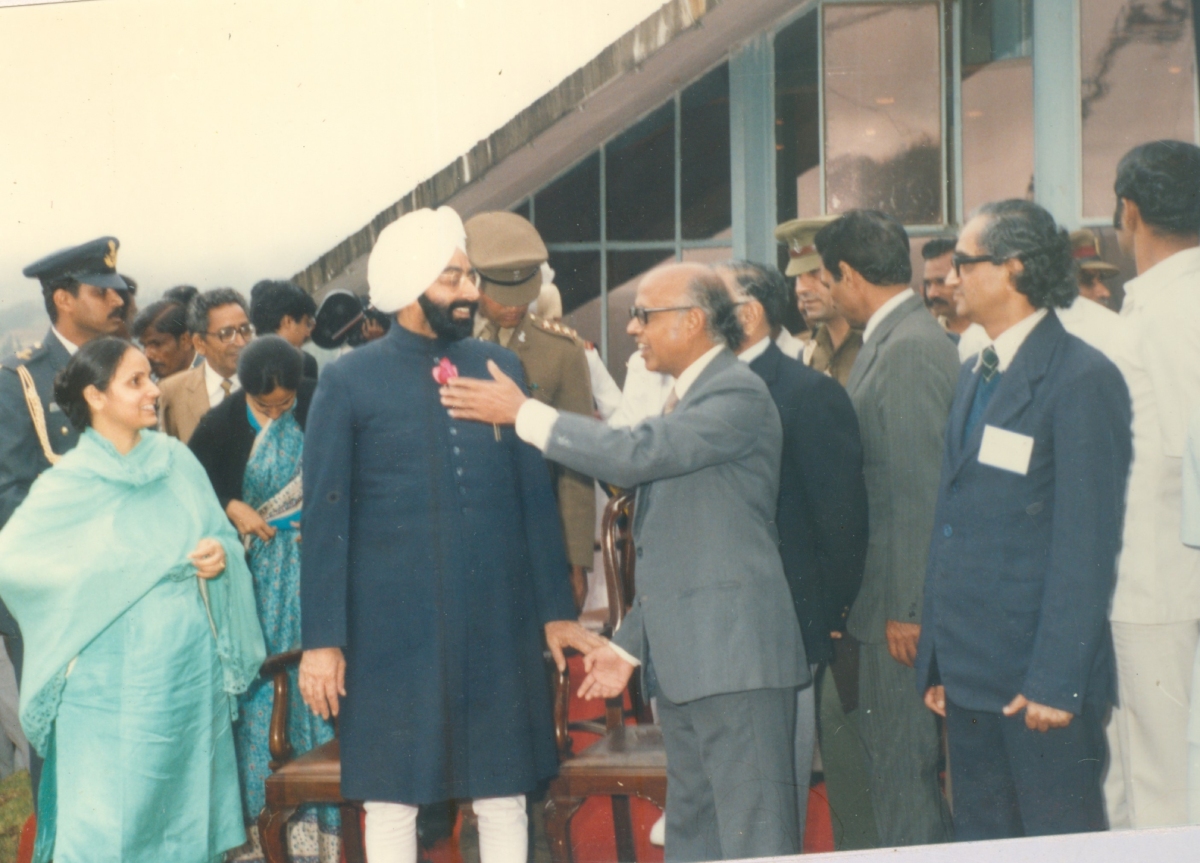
[227, 334]
[958, 260]
[643, 315]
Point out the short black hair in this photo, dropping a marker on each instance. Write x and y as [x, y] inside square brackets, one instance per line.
[269, 362]
[202, 304]
[163, 316]
[271, 300]
[62, 283]
[182, 294]
[1026, 231]
[873, 243]
[94, 364]
[708, 292]
[1163, 179]
[938, 246]
[765, 284]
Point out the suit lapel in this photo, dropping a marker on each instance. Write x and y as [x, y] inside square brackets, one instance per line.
[1016, 388]
[766, 365]
[197, 400]
[870, 349]
[716, 365]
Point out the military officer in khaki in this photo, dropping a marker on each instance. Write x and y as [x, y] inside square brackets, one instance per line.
[834, 343]
[1093, 269]
[508, 253]
[832, 349]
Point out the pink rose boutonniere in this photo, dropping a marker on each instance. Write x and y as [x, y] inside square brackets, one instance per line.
[444, 372]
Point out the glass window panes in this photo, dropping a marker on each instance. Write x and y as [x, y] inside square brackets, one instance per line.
[568, 210]
[577, 276]
[883, 115]
[704, 156]
[997, 101]
[1138, 84]
[521, 209]
[640, 179]
[797, 122]
[625, 270]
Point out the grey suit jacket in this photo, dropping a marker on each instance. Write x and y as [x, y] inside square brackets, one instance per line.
[901, 386]
[183, 402]
[713, 613]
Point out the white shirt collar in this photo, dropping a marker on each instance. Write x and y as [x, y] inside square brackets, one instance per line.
[66, 343]
[212, 383]
[1009, 342]
[883, 311]
[1165, 270]
[688, 377]
[755, 351]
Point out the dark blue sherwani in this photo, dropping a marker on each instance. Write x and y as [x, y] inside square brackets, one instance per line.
[433, 556]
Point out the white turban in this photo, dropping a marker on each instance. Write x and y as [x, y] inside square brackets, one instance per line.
[410, 254]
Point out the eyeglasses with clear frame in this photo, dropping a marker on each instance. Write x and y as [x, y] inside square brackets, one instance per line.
[643, 315]
[227, 334]
[451, 277]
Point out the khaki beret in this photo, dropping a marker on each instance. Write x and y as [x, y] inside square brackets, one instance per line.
[798, 234]
[508, 252]
[1085, 249]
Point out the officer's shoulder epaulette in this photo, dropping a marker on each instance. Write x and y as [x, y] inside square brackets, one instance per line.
[557, 328]
[22, 356]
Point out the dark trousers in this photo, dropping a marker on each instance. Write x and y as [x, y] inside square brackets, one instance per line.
[1012, 781]
[730, 788]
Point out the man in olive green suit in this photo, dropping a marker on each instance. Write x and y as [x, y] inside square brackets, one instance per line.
[508, 252]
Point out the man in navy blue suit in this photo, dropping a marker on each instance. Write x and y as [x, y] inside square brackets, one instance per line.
[1015, 649]
[822, 510]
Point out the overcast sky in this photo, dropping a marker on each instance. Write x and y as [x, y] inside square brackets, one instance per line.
[223, 142]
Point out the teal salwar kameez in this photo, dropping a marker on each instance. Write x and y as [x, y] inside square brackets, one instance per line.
[133, 664]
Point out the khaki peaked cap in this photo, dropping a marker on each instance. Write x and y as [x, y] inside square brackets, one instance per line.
[508, 252]
[799, 234]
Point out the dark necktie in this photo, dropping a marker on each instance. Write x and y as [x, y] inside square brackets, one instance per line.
[989, 378]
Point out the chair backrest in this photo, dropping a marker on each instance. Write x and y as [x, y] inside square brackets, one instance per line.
[616, 545]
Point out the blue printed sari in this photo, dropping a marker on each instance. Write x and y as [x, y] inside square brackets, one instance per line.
[272, 487]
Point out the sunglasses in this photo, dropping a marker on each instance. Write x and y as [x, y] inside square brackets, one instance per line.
[643, 315]
[958, 261]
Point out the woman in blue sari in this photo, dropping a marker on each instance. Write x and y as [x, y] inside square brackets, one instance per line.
[138, 618]
[250, 445]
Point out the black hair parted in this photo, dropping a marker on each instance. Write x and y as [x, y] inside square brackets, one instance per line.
[163, 316]
[935, 247]
[873, 243]
[1026, 231]
[766, 285]
[268, 362]
[1163, 179]
[94, 364]
[271, 300]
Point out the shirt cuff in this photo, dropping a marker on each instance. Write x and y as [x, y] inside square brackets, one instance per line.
[534, 423]
[625, 654]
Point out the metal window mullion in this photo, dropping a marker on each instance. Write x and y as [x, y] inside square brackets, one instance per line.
[532, 212]
[678, 175]
[821, 103]
[957, 114]
[603, 253]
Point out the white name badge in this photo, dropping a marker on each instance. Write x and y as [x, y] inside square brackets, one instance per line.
[1005, 449]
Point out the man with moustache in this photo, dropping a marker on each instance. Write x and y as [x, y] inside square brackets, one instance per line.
[432, 567]
[161, 329]
[901, 387]
[969, 338]
[834, 343]
[83, 295]
[220, 328]
[712, 621]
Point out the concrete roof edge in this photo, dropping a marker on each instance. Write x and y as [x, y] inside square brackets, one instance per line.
[622, 56]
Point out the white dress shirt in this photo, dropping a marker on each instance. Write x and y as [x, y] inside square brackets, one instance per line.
[212, 383]
[883, 311]
[1101, 328]
[535, 420]
[66, 343]
[971, 341]
[789, 344]
[1158, 577]
[1009, 342]
[644, 395]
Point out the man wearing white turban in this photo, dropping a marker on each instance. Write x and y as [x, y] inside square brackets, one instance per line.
[432, 564]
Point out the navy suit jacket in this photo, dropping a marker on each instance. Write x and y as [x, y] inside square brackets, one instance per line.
[822, 510]
[1022, 567]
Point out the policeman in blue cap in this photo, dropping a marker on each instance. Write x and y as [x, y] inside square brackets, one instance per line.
[85, 299]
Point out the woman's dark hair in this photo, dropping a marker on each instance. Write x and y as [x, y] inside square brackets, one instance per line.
[1163, 179]
[269, 362]
[871, 242]
[1026, 231]
[93, 365]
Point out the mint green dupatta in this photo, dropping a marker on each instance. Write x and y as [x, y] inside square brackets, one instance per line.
[95, 534]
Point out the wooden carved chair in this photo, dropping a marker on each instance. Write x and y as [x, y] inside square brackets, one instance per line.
[628, 760]
[314, 777]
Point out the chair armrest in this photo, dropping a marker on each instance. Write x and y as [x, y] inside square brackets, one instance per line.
[614, 711]
[276, 667]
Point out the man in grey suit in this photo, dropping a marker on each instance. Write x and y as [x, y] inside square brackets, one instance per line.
[712, 622]
[901, 386]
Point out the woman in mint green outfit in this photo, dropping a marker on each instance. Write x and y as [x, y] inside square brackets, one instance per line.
[139, 621]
